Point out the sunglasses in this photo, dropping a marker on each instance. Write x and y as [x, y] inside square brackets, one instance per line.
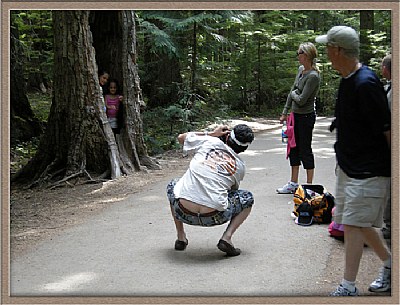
[301, 52]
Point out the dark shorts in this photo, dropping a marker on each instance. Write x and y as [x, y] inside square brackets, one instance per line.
[238, 200]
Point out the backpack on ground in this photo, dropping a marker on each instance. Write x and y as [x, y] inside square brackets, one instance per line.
[321, 202]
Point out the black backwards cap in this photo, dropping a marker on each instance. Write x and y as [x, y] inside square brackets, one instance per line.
[240, 138]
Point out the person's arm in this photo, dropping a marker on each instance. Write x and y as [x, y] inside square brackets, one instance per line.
[288, 104]
[302, 97]
[217, 132]
[289, 100]
[388, 137]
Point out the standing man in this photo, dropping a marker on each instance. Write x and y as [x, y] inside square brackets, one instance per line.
[386, 70]
[363, 156]
[208, 193]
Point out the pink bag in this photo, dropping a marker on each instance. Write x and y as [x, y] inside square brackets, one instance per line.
[335, 229]
[290, 134]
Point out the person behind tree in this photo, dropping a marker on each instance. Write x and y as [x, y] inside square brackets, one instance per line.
[113, 101]
[301, 101]
[103, 79]
[363, 156]
[208, 193]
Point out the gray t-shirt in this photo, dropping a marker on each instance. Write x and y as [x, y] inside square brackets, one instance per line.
[214, 170]
[305, 88]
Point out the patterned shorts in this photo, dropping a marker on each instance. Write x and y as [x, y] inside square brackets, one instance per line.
[238, 200]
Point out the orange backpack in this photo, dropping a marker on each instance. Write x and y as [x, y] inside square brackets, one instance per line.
[322, 202]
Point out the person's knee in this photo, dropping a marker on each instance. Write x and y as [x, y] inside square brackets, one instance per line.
[170, 190]
[248, 199]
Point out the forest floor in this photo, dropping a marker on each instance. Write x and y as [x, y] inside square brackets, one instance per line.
[38, 214]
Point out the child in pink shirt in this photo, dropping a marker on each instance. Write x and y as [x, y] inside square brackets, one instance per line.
[113, 105]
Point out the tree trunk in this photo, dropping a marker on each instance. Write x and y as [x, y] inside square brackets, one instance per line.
[133, 133]
[79, 138]
[107, 34]
[366, 26]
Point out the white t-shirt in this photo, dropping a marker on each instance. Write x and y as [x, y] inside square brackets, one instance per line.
[214, 170]
[389, 94]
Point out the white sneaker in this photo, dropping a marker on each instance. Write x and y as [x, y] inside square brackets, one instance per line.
[344, 292]
[382, 282]
[288, 188]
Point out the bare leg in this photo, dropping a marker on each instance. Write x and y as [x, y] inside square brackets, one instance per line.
[180, 230]
[354, 245]
[374, 240]
[354, 238]
[295, 173]
[234, 224]
[310, 175]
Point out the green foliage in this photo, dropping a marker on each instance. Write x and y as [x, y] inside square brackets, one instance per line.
[162, 42]
[36, 36]
[191, 112]
[40, 104]
[22, 152]
[379, 50]
[230, 62]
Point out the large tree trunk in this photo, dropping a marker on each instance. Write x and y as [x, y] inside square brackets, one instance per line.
[23, 123]
[107, 34]
[366, 26]
[133, 99]
[79, 140]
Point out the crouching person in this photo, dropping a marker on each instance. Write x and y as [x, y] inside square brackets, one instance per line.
[208, 193]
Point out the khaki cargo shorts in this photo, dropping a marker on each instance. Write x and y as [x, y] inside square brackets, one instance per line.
[360, 202]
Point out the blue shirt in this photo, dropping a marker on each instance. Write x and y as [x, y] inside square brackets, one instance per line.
[362, 117]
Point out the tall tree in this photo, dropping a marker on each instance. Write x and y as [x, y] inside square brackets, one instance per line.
[79, 140]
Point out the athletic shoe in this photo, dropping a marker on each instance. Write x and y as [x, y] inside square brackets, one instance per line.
[344, 292]
[386, 233]
[382, 282]
[288, 188]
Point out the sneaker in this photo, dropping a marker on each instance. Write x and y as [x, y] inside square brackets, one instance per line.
[386, 233]
[344, 292]
[382, 282]
[288, 188]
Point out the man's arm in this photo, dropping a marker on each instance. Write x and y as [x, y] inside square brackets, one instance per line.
[218, 131]
[388, 138]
